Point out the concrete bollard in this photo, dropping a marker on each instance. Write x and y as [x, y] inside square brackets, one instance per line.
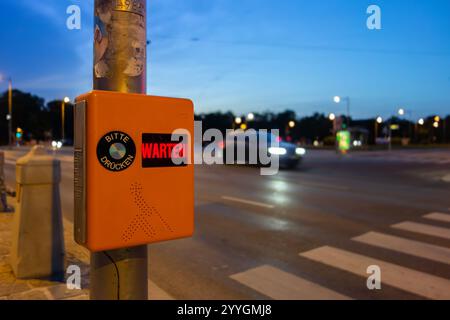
[38, 238]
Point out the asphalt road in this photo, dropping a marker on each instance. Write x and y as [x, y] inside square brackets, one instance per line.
[309, 233]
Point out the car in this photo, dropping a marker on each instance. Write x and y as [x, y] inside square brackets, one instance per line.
[289, 154]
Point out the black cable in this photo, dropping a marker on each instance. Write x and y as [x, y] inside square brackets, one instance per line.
[117, 271]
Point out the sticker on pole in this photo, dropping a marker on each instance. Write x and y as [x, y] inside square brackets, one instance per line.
[160, 150]
[132, 6]
[116, 151]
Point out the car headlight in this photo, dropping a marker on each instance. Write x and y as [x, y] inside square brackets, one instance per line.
[300, 151]
[277, 151]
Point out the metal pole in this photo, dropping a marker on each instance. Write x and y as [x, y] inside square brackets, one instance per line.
[445, 130]
[120, 65]
[416, 133]
[375, 134]
[10, 135]
[410, 127]
[63, 112]
[390, 134]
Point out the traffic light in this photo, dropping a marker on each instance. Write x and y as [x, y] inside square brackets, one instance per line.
[19, 134]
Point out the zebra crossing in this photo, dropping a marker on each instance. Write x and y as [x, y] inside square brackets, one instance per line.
[424, 229]
[438, 216]
[278, 284]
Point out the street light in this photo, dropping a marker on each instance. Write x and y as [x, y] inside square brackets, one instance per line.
[250, 117]
[412, 133]
[9, 115]
[437, 124]
[378, 121]
[290, 125]
[421, 122]
[238, 120]
[63, 117]
[338, 99]
[332, 117]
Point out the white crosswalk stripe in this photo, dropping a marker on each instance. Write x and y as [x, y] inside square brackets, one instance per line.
[438, 216]
[280, 285]
[411, 247]
[419, 283]
[425, 229]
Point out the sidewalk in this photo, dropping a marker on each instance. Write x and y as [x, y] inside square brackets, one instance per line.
[15, 289]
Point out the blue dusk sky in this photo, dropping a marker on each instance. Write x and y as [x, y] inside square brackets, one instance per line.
[250, 55]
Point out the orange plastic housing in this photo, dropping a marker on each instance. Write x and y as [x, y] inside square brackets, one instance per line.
[125, 204]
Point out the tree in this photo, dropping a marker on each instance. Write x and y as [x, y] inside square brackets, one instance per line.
[54, 110]
[28, 113]
[317, 126]
[38, 121]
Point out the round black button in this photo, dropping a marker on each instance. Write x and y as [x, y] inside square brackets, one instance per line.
[116, 151]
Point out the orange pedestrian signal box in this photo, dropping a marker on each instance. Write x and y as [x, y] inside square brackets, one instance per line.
[134, 174]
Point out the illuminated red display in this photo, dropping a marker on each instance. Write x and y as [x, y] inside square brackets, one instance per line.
[158, 150]
[163, 150]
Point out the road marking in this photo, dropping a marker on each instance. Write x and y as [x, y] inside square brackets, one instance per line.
[253, 203]
[156, 293]
[411, 247]
[280, 285]
[322, 186]
[438, 216]
[423, 229]
[405, 279]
